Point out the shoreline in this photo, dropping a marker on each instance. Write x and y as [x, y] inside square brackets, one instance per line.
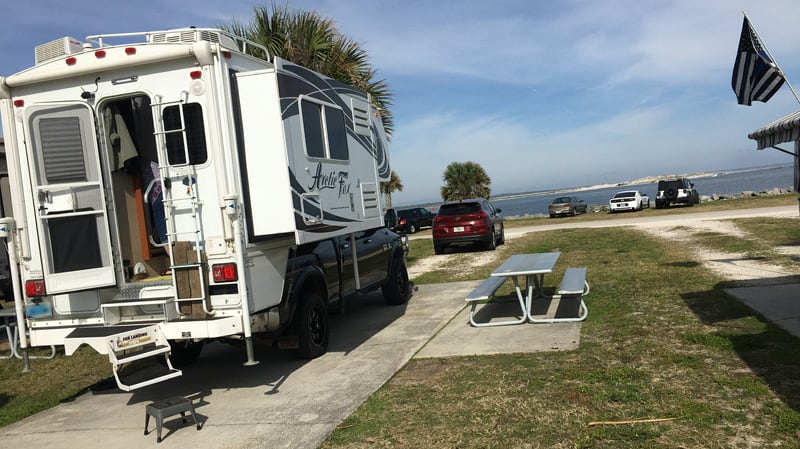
[634, 182]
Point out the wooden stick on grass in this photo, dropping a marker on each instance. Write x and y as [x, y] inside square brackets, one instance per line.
[630, 421]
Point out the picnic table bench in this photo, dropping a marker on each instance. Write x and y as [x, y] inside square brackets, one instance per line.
[573, 285]
[533, 267]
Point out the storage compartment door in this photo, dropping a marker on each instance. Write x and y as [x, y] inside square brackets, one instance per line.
[262, 155]
[68, 191]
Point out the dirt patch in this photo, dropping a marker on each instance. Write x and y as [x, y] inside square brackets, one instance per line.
[464, 261]
[733, 266]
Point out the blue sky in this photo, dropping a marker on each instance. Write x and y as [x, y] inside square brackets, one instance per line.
[542, 94]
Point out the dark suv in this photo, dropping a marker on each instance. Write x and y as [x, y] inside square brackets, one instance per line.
[414, 219]
[468, 221]
[676, 191]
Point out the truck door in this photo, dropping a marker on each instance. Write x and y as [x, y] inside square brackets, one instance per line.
[372, 258]
[69, 197]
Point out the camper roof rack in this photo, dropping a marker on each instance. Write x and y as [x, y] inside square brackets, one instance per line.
[187, 35]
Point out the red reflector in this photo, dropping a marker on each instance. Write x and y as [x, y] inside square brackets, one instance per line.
[19, 103]
[226, 54]
[224, 273]
[71, 60]
[196, 74]
[35, 288]
[130, 51]
[100, 54]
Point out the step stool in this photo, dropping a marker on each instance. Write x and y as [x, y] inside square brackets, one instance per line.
[166, 408]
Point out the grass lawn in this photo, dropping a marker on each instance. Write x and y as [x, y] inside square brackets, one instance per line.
[661, 341]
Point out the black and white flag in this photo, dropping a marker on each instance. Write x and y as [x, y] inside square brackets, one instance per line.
[755, 76]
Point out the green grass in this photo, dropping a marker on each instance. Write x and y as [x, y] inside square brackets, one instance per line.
[662, 341]
[48, 382]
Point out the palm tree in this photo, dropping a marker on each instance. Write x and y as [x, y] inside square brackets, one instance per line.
[313, 41]
[465, 180]
[387, 188]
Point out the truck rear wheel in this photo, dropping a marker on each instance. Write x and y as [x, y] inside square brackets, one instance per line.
[396, 290]
[184, 353]
[311, 326]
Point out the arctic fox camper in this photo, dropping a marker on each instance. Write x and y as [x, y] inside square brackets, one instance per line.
[169, 188]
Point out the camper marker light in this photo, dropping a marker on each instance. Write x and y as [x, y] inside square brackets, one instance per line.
[130, 51]
[196, 74]
[226, 54]
[71, 60]
[19, 103]
[34, 288]
[100, 54]
[225, 272]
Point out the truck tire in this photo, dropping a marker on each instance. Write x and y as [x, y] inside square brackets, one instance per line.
[311, 326]
[412, 228]
[491, 244]
[396, 289]
[438, 249]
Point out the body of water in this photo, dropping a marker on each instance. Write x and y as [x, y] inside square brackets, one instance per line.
[721, 183]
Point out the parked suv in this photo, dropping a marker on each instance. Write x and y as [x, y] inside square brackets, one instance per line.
[676, 191]
[468, 221]
[414, 219]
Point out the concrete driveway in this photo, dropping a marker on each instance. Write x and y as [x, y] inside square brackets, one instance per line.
[284, 402]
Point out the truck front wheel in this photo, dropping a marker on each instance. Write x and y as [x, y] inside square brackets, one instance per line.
[311, 326]
[396, 290]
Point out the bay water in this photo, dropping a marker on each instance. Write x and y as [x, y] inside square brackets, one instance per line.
[723, 183]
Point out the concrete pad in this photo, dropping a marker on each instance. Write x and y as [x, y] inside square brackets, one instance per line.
[459, 338]
[779, 304]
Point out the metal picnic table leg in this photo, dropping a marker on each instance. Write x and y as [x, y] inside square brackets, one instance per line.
[10, 328]
[523, 300]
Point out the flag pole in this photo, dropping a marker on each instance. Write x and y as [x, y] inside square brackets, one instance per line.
[774, 61]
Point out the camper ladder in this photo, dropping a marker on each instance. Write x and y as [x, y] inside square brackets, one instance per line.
[180, 173]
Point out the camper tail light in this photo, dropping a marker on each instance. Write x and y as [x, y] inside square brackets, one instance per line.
[225, 272]
[35, 288]
[19, 103]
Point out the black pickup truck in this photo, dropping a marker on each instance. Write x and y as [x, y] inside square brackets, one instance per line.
[321, 277]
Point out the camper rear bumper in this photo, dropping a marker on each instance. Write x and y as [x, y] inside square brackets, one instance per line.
[223, 326]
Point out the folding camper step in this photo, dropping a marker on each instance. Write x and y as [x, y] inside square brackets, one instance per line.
[146, 342]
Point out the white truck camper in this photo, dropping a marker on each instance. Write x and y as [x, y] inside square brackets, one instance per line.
[178, 186]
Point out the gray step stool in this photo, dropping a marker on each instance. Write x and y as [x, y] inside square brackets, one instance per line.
[166, 408]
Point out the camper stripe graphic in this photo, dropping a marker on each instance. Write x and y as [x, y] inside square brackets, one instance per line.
[755, 76]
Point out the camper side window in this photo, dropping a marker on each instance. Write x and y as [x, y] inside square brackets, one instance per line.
[181, 122]
[324, 131]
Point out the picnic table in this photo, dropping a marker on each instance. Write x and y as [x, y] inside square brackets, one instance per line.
[533, 268]
[9, 317]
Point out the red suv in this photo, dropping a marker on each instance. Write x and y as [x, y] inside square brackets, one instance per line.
[468, 221]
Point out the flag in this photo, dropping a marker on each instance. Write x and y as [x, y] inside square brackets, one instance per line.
[755, 76]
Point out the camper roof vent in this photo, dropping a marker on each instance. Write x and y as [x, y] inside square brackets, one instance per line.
[190, 36]
[58, 48]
